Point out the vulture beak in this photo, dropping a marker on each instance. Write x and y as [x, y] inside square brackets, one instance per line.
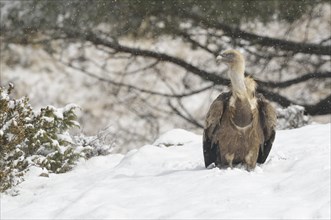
[220, 59]
[224, 58]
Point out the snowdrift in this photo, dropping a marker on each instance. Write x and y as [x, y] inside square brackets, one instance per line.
[168, 180]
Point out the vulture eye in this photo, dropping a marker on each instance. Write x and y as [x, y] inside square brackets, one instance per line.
[229, 55]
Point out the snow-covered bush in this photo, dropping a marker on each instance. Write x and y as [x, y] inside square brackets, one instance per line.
[48, 138]
[14, 115]
[291, 117]
[91, 146]
[29, 138]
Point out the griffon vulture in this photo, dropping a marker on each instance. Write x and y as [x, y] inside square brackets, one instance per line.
[240, 124]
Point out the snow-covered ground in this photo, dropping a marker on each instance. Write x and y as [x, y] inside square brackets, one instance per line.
[168, 180]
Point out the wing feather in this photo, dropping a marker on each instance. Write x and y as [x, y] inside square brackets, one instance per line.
[214, 115]
[268, 119]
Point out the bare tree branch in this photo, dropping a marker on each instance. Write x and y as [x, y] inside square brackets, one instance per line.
[107, 42]
[303, 78]
[136, 88]
[92, 37]
[212, 77]
[189, 118]
[296, 47]
[321, 108]
[187, 37]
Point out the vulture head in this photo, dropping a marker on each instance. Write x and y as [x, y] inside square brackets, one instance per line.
[236, 64]
[233, 59]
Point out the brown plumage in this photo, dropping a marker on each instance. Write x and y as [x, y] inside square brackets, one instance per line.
[240, 124]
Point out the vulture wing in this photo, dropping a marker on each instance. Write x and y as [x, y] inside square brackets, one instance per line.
[214, 115]
[268, 120]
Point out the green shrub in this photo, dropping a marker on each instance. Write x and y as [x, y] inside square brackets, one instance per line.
[29, 138]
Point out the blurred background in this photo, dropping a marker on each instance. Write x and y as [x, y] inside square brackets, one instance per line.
[140, 68]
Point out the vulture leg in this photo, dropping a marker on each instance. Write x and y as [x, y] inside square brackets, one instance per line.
[218, 156]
